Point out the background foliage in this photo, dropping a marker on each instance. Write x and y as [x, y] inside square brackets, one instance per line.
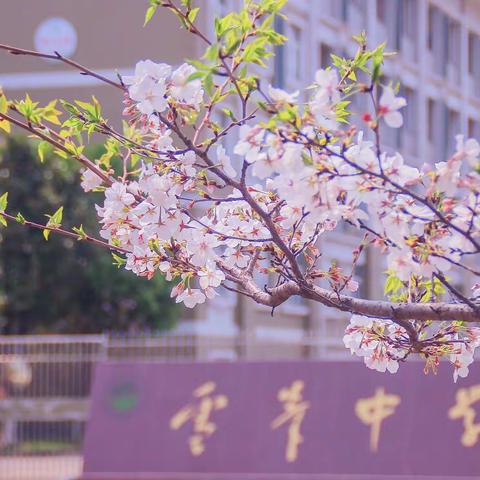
[64, 286]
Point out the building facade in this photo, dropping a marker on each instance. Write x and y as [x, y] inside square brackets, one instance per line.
[437, 64]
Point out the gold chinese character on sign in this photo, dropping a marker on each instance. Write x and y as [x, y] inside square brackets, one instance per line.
[294, 410]
[199, 414]
[465, 398]
[372, 411]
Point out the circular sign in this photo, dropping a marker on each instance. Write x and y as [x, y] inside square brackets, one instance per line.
[56, 35]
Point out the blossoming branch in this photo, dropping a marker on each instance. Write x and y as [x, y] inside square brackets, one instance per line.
[178, 203]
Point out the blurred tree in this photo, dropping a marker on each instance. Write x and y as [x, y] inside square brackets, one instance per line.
[64, 286]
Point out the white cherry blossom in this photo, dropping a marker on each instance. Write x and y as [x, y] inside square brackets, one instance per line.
[185, 90]
[90, 181]
[469, 149]
[191, 297]
[210, 277]
[149, 95]
[249, 143]
[147, 68]
[389, 106]
[224, 160]
[281, 96]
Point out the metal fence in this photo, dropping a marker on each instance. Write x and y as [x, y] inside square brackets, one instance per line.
[45, 385]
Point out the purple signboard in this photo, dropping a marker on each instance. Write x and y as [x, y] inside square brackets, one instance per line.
[307, 419]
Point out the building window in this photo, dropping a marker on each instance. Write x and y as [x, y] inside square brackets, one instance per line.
[452, 128]
[382, 11]
[474, 63]
[325, 52]
[398, 18]
[409, 17]
[473, 128]
[431, 119]
[433, 21]
[361, 276]
[347, 11]
[408, 134]
[438, 39]
[453, 49]
[294, 52]
[436, 130]
[408, 38]
[338, 9]
[355, 13]
[444, 44]
[443, 125]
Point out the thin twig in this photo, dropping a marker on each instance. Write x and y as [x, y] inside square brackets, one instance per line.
[56, 56]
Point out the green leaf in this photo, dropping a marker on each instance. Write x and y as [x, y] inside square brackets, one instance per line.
[361, 39]
[212, 52]
[392, 285]
[3, 206]
[54, 221]
[3, 202]
[92, 110]
[208, 83]
[4, 125]
[149, 14]
[195, 75]
[56, 218]
[69, 107]
[192, 14]
[229, 114]
[376, 73]
[42, 148]
[20, 218]
[60, 153]
[50, 113]
[218, 27]
[80, 232]
[117, 260]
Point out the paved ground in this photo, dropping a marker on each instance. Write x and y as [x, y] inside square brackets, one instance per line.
[66, 467]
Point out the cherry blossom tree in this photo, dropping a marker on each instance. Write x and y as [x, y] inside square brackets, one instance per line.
[178, 204]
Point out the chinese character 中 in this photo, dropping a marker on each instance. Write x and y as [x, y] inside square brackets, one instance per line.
[199, 413]
[294, 410]
[374, 410]
[465, 398]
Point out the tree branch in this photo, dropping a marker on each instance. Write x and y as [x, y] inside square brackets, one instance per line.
[65, 233]
[60, 58]
[79, 157]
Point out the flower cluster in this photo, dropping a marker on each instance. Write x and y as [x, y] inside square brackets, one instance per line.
[179, 203]
[309, 175]
[379, 343]
[383, 344]
[154, 86]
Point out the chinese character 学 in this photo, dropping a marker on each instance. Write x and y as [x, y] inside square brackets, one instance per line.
[199, 413]
[374, 410]
[294, 410]
[465, 398]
